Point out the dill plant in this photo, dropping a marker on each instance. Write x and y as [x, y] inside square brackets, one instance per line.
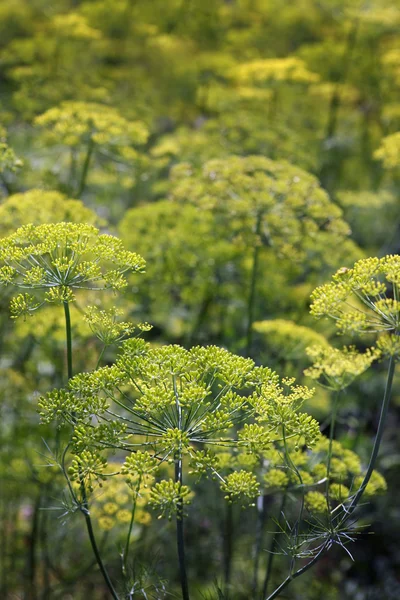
[54, 261]
[89, 129]
[360, 300]
[264, 204]
[203, 412]
[181, 407]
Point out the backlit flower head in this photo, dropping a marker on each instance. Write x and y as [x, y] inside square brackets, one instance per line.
[57, 259]
[336, 369]
[362, 299]
[190, 404]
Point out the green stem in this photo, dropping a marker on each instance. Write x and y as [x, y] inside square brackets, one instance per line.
[85, 505]
[228, 546]
[261, 514]
[89, 526]
[378, 438]
[299, 572]
[179, 535]
[100, 357]
[68, 332]
[253, 282]
[331, 435]
[85, 169]
[356, 499]
[128, 537]
[179, 515]
[297, 472]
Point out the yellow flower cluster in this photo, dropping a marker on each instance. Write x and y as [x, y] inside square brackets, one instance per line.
[289, 69]
[74, 123]
[112, 506]
[42, 206]
[364, 298]
[389, 151]
[336, 369]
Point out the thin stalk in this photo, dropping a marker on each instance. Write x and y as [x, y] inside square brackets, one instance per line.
[356, 499]
[32, 554]
[68, 333]
[272, 548]
[179, 514]
[100, 357]
[331, 435]
[128, 537]
[228, 546]
[179, 535]
[299, 572]
[89, 526]
[253, 282]
[261, 514]
[378, 438]
[72, 171]
[85, 168]
[85, 505]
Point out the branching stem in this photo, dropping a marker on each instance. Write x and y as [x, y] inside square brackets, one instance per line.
[85, 505]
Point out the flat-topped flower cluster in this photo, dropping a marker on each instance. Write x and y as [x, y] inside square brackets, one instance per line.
[60, 258]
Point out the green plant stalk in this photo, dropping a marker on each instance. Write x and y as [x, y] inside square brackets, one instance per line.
[378, 438]
[85, 168]
[228, 528]
[299, 572]
[85, 506]
[32, 593]
[272, 548]
[68, 334]
[295, 469]
[331, 435]
[357, 497]
[179, 535]
[179, 515]
[128, 537]
[100, 357]
[253, 283]
[261, 514]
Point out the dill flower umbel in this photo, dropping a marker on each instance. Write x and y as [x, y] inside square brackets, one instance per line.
[389, 151]
[180, 406]
[336, 369]
[38, 206]
[58, 259]
[363, 299]
[74, 123]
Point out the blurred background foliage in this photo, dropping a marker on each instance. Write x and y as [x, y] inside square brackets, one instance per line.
[175, 124]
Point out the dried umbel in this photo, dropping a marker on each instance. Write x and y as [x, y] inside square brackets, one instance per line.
[58, 259]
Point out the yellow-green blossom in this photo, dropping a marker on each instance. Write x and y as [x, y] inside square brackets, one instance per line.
[336, 369]
[61, 258]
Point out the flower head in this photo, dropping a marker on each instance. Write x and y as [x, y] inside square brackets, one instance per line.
[58, 259]
[336, 369]
[362, 299]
